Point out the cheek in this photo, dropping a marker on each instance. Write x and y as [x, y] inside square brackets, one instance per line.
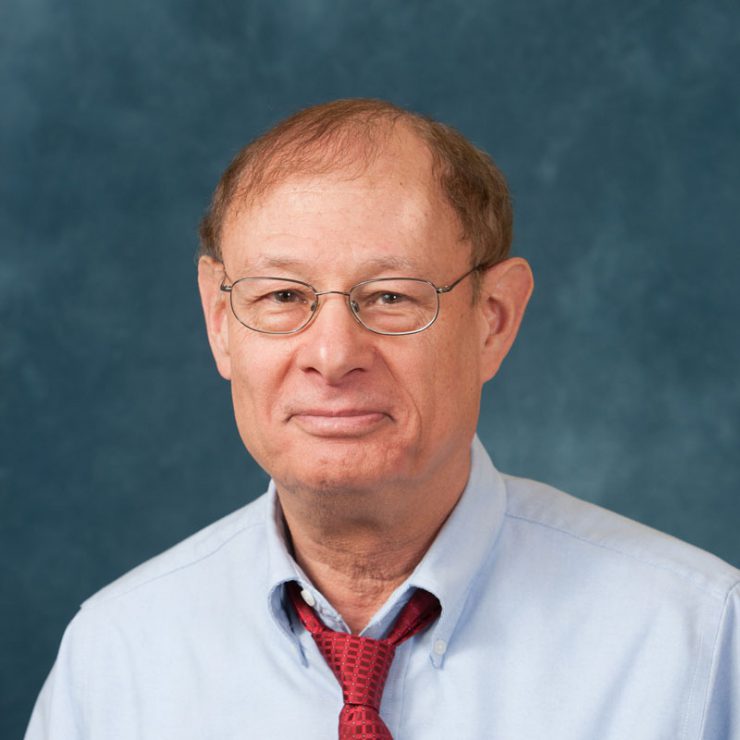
[255, 376]
[254, 389]
[457, 370]
[442, 379]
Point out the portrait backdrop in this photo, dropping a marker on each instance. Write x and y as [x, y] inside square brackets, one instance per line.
[618, 126]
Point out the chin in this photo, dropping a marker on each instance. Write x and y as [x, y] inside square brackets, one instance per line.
[340, 465]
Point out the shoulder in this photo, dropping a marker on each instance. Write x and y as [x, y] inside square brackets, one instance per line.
[193, 559]
[597, 537]
[136, 637]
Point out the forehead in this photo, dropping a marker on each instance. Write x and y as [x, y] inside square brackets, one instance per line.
[388, 214]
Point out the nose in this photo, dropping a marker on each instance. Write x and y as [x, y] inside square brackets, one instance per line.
[335, 345]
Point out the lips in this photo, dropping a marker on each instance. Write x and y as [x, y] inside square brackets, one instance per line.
[333, 413]
[338, 422]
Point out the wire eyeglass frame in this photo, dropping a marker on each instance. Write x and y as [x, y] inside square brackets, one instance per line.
[352, 305]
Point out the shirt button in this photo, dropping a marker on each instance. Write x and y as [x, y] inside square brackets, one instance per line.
[440, 647]
[308, 597]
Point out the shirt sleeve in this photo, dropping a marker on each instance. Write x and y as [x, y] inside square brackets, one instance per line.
[57, 713]
[722, 715]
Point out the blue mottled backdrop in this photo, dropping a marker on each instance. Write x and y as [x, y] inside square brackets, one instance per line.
[618, 124]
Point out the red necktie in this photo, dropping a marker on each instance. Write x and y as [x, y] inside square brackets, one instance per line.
[361, 664]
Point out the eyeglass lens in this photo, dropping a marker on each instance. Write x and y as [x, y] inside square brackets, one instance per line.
[392, 306]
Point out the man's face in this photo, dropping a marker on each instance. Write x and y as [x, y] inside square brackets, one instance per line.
[335, 406]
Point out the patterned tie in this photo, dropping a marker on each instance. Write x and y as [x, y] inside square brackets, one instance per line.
[361, 664]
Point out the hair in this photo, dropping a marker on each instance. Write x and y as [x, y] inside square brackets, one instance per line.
[338, 135]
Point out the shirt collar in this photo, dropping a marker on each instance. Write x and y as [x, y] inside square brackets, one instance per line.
[448, 570]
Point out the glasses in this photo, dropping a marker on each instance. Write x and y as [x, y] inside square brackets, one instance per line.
[394, 305]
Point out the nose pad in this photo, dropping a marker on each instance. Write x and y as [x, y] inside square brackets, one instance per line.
[354, 309]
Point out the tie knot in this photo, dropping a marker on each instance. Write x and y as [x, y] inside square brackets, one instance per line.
[360, 664]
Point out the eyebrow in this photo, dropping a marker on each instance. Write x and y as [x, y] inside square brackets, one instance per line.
[373, 264]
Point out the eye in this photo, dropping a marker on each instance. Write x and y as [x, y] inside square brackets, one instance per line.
[285, 296]
[387, 298]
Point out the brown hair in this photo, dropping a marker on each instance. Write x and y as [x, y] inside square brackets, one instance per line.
[326, 137]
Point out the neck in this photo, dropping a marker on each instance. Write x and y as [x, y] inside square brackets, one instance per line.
[358, 554]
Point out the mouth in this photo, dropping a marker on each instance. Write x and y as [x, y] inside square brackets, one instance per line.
[338, 423]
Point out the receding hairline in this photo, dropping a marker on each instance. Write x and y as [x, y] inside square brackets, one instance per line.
[347, 152]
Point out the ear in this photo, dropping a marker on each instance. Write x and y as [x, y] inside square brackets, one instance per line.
[216, 309]
[505, 289]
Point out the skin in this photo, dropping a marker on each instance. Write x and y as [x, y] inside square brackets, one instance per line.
[366, 436]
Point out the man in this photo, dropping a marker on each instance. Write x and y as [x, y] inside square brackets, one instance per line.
[358, 292]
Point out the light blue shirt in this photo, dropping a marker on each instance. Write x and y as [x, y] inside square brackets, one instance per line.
[560, 621]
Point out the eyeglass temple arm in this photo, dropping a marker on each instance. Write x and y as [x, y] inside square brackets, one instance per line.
[448, 288]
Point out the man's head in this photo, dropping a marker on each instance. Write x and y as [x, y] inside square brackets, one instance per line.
[335, 408]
